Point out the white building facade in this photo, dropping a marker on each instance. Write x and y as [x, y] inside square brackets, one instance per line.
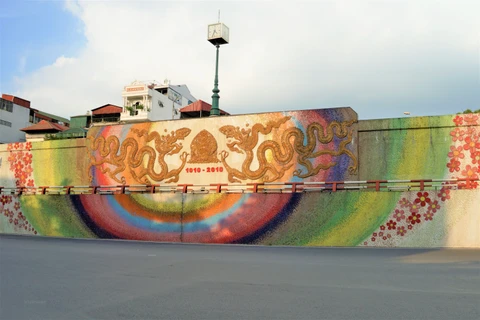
[153, 102]
[13, 117]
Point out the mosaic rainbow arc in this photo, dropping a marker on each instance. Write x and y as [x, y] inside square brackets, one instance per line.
[309, 145]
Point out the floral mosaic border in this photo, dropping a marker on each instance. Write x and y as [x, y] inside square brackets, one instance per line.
[20, 160]
[464, 163]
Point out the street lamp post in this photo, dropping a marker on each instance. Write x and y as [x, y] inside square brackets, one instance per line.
[218, 34]
[215, 97]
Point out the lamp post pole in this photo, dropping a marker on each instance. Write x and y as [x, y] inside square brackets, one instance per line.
[218, 34]
[215, 111]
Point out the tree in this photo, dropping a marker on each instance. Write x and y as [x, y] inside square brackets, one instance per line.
[469, 111]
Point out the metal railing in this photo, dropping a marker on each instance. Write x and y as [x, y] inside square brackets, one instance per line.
[105, 119]
[274, 187]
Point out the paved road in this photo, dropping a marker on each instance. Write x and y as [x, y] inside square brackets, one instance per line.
[46, 278]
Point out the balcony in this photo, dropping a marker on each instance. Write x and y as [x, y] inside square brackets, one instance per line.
[135, 114]
[105, 120]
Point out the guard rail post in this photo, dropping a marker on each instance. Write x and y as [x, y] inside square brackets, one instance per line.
[185, 187]
[218, 186]
[255, 186]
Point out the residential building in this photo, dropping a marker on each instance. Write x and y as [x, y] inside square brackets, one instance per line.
[106, 114]
[152, 102]
[14, 115]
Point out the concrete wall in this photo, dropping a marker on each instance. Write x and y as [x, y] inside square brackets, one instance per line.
[46, 163]
[450, 218]
[405, 147]
[388, 149]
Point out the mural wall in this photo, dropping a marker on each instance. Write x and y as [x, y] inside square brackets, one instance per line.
[48, 163]
[405, 148]
[312, 145]
[441, 217]
[419, 219]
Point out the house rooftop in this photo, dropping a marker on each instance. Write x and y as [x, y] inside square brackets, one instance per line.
[107, 109]
[52, 116]
[193, 110]
[18, 101]
[45, 126]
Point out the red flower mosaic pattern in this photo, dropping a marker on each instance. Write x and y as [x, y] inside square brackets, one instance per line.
[4, 199]
[454, 165]
[465, 150]
[444, 194]
[470, 172]
[456, 153]
[458, 120]
[409, 215]
[414, 207]
[475, 157]
[20, 161]
[414, 218]
[10, 209]
[464, 163]
[404, 203]
[428, 216]
[433, 206]
[399, 215]
[457, 134]
[471, 144]
[392, 225]
[422, 199]
[401, 231]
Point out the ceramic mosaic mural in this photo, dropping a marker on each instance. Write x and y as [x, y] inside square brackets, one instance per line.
[311, 145]
[430, 218]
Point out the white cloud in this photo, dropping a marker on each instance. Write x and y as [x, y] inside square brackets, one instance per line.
[74, 7]
[62, 61]
[378, 57]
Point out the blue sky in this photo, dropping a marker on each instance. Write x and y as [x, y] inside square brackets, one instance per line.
[381, 58]
[33, 34]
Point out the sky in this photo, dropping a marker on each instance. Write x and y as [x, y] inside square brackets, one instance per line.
[382, 58]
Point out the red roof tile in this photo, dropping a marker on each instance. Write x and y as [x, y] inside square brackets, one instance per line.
[200, 105]
[16, 100]
[107, 109]
[45, 126]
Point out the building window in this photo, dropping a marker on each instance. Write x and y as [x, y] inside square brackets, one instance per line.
[5, 123]
[6, 105]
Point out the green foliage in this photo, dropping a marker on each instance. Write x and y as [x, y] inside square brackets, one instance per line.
[134, 108]
[52, 136]
[469, 111]
[62, 136]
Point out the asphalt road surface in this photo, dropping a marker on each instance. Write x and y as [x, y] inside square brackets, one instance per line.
[48, 278]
